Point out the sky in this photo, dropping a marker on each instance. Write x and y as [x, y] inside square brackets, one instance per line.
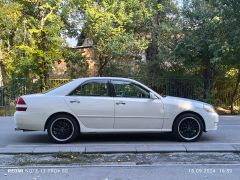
[72, 42]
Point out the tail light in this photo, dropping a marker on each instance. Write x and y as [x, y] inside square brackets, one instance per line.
[21, 105]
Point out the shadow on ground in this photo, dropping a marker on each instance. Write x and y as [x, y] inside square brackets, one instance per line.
[42, 138]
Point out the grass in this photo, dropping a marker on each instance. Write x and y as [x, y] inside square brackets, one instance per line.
[11, 113]
[25, 163]
[45, 162]
[59, 158]
[66, 155]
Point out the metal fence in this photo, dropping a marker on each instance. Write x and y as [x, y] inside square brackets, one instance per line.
[22, 86]
[219, 92]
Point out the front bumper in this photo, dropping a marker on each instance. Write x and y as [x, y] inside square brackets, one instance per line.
[211, 121]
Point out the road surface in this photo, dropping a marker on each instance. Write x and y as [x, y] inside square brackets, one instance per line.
[212, 168]
[166, 172]
[228, 132]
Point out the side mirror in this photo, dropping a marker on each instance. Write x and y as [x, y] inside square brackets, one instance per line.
[152, 96]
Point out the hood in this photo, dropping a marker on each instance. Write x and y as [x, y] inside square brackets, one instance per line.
[182, 102]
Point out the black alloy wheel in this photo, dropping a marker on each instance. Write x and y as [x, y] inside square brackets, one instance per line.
[62, 128]
[188, 127]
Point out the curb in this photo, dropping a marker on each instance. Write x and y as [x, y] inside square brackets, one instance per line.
[117, 148]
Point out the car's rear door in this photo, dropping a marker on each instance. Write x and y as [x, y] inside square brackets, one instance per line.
[92, 104]
[134, 109]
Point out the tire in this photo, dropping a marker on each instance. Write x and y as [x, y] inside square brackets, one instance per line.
[62, 128]
[188, 128]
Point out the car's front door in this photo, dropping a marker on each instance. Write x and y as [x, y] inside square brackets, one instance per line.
[134, 109]
[92, 104]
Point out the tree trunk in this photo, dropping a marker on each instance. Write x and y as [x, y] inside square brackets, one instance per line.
[235, 91]
[5, 89]
[153, 49]
[100, 71]
[100, 67]
[102, 63]
[207, 75]
[44, 73]
[44, 68]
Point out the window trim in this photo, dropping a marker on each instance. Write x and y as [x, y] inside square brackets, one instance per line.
[136, 84]
[107, 81]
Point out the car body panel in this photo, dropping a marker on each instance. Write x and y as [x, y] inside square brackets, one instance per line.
[101, 114]
[93, 112]
[175, 106]
[138, 113]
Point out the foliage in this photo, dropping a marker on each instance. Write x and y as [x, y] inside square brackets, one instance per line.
[147, 39]
[44, 42]
[165, 33]
[210, 43]
[10, 18]
[77, 65]
[114, 28]
[200, 44]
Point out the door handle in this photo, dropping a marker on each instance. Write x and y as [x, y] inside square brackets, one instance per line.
[74, 101]
[120, 102]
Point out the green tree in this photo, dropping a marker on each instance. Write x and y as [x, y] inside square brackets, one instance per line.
[229, 19]
[165, 33]
[115, 29]
[200, 44]
[77, 65]
[44, 37]
[10, 17]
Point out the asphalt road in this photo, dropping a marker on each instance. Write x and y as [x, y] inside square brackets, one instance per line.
[228, 132]
[167, 172]
[211, 168]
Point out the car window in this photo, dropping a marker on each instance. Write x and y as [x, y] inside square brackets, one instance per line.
[129, 90]
[91, 89]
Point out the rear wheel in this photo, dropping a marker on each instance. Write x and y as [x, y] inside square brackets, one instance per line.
[188, 127]
[62, 128]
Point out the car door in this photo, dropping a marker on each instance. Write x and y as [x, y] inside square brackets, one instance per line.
[134, 109]
[92, 104]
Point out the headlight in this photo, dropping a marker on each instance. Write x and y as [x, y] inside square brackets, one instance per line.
[208, 108]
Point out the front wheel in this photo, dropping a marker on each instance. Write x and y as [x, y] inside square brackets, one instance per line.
[62, 129]
[188, 128]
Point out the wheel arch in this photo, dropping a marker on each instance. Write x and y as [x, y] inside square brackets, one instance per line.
[190, 112]
[58, 113]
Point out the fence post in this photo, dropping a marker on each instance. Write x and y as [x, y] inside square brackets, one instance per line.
[5, 101]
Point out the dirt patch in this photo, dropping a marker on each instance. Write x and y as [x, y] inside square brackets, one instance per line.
[128, 158]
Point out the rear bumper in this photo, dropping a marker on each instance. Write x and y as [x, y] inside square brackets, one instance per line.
[27, 121]
[18, 129]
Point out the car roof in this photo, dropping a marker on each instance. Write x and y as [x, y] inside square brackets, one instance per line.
[107, 78]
